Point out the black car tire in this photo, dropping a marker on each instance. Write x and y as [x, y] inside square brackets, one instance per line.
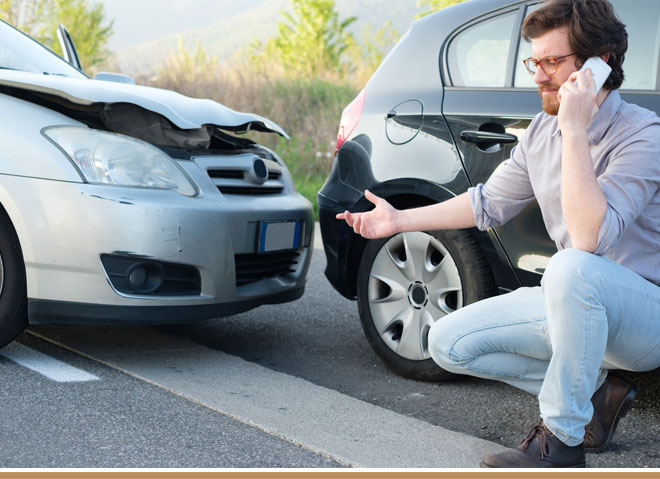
[13, 298]
[447, 271]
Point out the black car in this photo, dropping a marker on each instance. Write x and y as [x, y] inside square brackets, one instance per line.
[440, 114]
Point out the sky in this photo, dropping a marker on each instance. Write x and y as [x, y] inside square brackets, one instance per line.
[140, 21]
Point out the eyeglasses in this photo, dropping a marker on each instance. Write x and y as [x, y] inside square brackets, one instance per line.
[548, 65]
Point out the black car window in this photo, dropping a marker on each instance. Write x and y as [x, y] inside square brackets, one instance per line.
[641, 64]
[477, 57]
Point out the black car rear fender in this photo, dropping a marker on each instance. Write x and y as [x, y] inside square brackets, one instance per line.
[351, 174]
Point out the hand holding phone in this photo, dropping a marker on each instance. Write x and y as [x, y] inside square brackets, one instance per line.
[600, 71]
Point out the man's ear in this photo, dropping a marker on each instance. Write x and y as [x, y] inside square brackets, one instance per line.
[605, 57]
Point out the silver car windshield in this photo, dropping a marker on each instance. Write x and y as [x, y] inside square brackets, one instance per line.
[20, 52]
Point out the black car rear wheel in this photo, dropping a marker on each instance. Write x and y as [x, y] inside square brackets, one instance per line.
[409, 281]
[13, 302]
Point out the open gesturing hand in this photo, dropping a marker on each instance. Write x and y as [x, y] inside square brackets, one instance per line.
[381, 222]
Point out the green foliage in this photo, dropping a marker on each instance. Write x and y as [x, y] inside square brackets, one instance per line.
[310, 41]
[86, 27]
[40, 18]
[435, 5]
[369, 52]
[309, 187]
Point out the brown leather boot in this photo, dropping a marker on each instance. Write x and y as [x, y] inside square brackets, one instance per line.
[540, 448]
[611, 402]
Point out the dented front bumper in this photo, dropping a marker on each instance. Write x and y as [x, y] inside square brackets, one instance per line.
[66, 278]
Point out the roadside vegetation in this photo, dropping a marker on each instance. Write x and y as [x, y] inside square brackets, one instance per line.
[302, 78]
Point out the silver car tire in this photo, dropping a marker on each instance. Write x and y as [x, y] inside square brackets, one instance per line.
[13, 298]
[409, 281]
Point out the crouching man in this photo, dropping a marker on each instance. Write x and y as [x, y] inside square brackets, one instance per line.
[592, 161]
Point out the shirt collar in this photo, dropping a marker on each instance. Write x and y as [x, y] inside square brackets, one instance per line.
[603, 118]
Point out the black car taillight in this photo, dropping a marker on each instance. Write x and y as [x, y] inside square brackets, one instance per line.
[350, 118]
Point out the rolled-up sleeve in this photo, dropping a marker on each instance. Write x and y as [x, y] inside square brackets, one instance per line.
[505, 194]
[630, 181]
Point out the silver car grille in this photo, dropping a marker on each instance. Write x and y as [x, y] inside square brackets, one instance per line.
[246, 175]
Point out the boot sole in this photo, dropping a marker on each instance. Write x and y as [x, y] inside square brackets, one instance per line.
[483, 465]
[625, 406]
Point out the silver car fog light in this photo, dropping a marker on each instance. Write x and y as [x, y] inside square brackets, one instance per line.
[112, 159]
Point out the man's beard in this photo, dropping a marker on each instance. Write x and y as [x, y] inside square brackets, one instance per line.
[550, 103]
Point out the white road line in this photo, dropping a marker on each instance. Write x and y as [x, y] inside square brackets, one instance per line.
[44, 364]
[322, 420]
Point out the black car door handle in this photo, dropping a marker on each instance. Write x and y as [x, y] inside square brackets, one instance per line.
[480, 137]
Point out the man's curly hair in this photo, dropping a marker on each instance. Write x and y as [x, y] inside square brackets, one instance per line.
[593, 30]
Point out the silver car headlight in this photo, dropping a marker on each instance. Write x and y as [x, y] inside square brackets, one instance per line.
[111, 159]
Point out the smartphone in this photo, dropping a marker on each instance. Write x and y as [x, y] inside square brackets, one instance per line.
[600, 71]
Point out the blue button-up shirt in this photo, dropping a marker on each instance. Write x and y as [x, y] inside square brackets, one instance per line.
[625, 147]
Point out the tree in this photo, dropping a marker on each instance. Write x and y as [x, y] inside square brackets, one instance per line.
[40, 18]
[435, 5]
[23, 14]
[309, 41]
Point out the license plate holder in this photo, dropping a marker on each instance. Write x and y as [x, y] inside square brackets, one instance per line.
[279, 236]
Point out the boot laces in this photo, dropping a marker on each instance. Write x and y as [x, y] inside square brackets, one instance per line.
[542, 432]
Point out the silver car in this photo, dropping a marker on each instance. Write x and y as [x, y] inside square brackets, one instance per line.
[121, 203]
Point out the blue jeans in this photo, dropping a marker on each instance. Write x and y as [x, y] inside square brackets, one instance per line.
[557, 341]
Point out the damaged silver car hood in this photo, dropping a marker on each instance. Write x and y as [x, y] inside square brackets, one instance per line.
[184, 112]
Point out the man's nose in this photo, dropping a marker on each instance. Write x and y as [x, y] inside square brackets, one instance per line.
[540, 76]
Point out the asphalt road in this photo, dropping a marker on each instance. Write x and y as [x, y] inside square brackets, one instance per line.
[119, 421]
[134, 417]
[319, 338]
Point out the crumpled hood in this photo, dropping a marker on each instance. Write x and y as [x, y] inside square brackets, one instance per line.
[184, 112]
